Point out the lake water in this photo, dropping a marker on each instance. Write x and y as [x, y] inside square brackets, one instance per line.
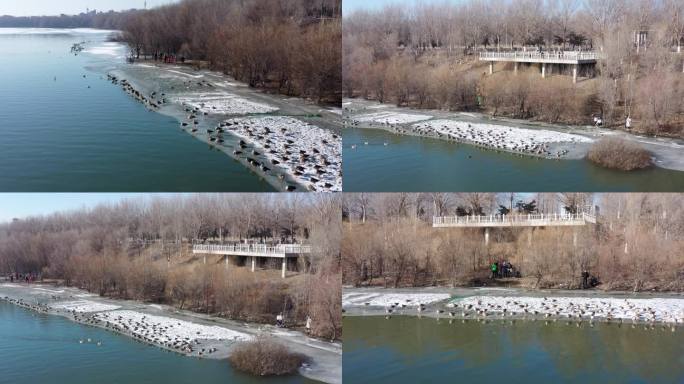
[407, 349]
[40, 348]
[62, 131]
[416, 164]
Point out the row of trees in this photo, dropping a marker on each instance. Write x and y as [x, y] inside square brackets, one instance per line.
[637, 244]
[292, 46]
[421, 56]
[140, 249]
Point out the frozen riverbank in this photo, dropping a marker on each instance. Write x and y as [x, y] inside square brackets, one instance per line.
[184, 332]
[500, 303]
[522, 137]
[202, 100]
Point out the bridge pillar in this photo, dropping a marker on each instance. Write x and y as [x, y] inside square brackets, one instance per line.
[253, 263]
[226, 261]
[543, 70]
[284, 267]
[205, 259]
[486, 236]
[515, 67]
[491, 67]
[574, 74]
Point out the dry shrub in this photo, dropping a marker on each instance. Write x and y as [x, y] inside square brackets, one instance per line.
[619, 154]
[265, 357]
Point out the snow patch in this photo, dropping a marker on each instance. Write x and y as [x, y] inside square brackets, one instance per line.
[391, 118]
[224, 103]
[387, 299]
[85, 306]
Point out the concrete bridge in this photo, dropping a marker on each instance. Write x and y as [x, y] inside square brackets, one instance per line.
[254, 251]
[546, 59]
[509, 221]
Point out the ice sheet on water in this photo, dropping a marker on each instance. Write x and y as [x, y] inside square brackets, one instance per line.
[54, 31]
[107, 49]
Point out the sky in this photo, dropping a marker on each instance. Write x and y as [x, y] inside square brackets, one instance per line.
[71, 7]
[349, 6]
[20, 205]
[352, 5]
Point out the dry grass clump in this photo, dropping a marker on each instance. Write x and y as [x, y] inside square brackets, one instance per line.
[619, 154]
[265, 357]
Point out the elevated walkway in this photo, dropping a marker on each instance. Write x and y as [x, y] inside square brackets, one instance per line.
[515, 221]
[546, 59]
[253, 251]
[499, 221]
[561, 57]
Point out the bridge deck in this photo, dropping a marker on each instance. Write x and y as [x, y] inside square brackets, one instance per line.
[565, 57]
[492, 221]
[253, 250]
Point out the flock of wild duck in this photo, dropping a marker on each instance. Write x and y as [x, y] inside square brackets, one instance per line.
[309, 154]
[495, 137]
[141, 329]
[578, 309]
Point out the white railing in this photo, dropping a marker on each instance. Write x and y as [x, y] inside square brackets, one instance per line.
[253, 248]
[513, 219]
[536, 55]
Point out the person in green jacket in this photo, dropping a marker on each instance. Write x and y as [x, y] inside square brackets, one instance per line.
[494, 268]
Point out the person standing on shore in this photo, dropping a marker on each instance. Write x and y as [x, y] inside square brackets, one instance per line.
[308, 325]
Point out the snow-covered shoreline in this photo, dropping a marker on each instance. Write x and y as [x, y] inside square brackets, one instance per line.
[536, 142]
[184, 332]
[500, 137]
[239, 121]
[580, 308]
[492, 303]
[178, 335]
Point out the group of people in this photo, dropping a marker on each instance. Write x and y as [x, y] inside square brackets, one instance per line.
[503, 269]
[280, 322]
[28, 278]
[588, 280]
